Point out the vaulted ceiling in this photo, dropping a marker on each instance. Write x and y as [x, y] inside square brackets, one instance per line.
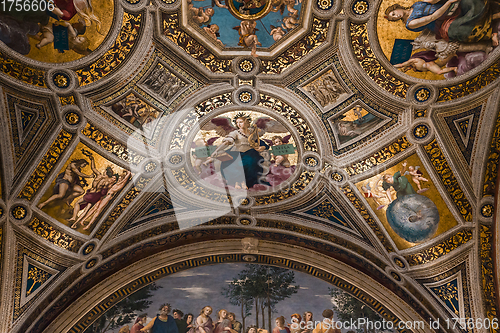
[144, 93]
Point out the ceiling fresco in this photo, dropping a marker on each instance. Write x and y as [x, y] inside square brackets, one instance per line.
[350, 141]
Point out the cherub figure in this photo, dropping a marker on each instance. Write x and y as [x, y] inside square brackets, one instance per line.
[416, 177]
[368, 193]
[248, 38]
[277, 32]
[199, 15]
[289, 22]
[76, 43]
[357, 113]
[279, 5]
[280, 159]
[420, 65]
[213, 31]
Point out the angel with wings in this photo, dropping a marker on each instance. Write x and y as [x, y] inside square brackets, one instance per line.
[417, 177]
[241, 166]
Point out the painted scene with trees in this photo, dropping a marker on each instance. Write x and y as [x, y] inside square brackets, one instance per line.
[243, 298]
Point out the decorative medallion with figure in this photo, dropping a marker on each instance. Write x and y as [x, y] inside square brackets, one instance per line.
[434, 39]
[56, 30]
[244, 150]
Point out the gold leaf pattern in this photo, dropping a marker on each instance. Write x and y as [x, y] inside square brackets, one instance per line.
[116, 54]
[440, 250]
[369, 62]
[173, 32]
[54, 236]
[191, 119]
[297, 187]
[318, 35]
[487, 272]
[448, 179]
[112, 145]
[468, 87]
[45, 166]
[379, 157]
[67, 100]
[491, 170]
[192, 186]
[22, 72]
[306, 136]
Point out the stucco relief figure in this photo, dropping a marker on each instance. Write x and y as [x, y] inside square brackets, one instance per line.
[164, 83]
[326, 90]
[250, 245]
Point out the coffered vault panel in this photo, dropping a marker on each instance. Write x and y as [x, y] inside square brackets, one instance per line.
[380, 181]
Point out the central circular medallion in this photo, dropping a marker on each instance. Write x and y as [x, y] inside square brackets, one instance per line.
[249, 9]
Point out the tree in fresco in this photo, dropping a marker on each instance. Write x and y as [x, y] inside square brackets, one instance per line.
[124, 311]
[238, 293]
[347, 307]
[264, 286]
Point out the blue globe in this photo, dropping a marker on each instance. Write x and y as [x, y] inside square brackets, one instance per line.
[414, 217]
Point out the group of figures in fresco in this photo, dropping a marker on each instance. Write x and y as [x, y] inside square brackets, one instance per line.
[226, 323]
[78, 202]
[276, 17]
[455, 35]
[252, 162]
[326, 89]
[58, 23]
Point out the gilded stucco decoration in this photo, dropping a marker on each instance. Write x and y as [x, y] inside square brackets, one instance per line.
[316, 128]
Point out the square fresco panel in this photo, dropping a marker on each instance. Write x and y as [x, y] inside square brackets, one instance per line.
[85, 186]
[355, 124]
[406, 201]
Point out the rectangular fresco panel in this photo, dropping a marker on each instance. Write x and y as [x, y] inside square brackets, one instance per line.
[406, 201]
[84, 187]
